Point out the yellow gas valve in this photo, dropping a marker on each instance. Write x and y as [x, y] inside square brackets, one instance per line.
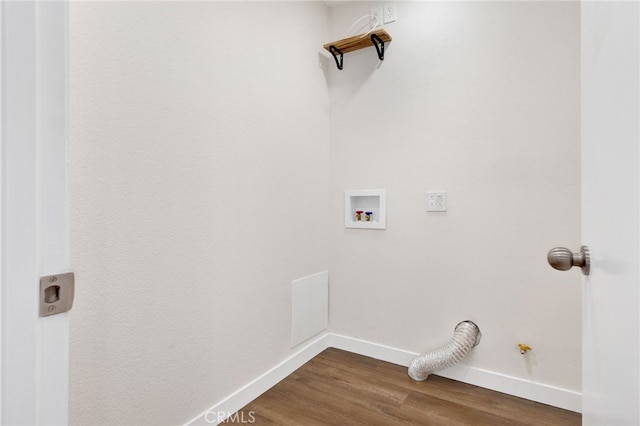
[524, 348]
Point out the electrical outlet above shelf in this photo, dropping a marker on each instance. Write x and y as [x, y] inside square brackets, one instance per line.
[436, 201]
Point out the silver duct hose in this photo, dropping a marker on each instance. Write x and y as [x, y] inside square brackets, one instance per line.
[466, 336]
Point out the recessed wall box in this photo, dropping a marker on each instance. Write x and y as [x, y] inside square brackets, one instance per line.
[365, 209]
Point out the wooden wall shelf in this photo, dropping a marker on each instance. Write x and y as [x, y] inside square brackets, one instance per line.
[376, 38]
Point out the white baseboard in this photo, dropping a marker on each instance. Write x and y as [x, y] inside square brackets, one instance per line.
[229, 405]
[527, 389]
[550, 395]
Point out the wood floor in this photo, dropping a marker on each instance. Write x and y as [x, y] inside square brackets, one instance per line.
[342, 388]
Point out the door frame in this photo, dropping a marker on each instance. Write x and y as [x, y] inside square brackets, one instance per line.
[34, 211]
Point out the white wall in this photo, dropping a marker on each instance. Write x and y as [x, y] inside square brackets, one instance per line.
[482, 100]
[205, 179]
[199, 152]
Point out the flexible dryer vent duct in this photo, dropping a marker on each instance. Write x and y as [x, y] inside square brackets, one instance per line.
[466, 336]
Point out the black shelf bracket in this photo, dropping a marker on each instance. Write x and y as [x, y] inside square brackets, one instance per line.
[379, 46]
[333, 50]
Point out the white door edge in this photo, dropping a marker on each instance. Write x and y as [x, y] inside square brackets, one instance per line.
[610, 74]
[1, 212]
[34, 210]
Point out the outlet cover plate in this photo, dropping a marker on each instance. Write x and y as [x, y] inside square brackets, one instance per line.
[390, 12]
[436, 201]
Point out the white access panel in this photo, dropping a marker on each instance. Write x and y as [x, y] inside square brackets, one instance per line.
[309, 306]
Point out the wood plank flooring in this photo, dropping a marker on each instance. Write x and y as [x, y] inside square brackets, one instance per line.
[342, 388]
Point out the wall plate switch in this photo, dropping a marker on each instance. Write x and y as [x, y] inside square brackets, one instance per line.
[376, 17]
[436, 201]
[389, 12]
